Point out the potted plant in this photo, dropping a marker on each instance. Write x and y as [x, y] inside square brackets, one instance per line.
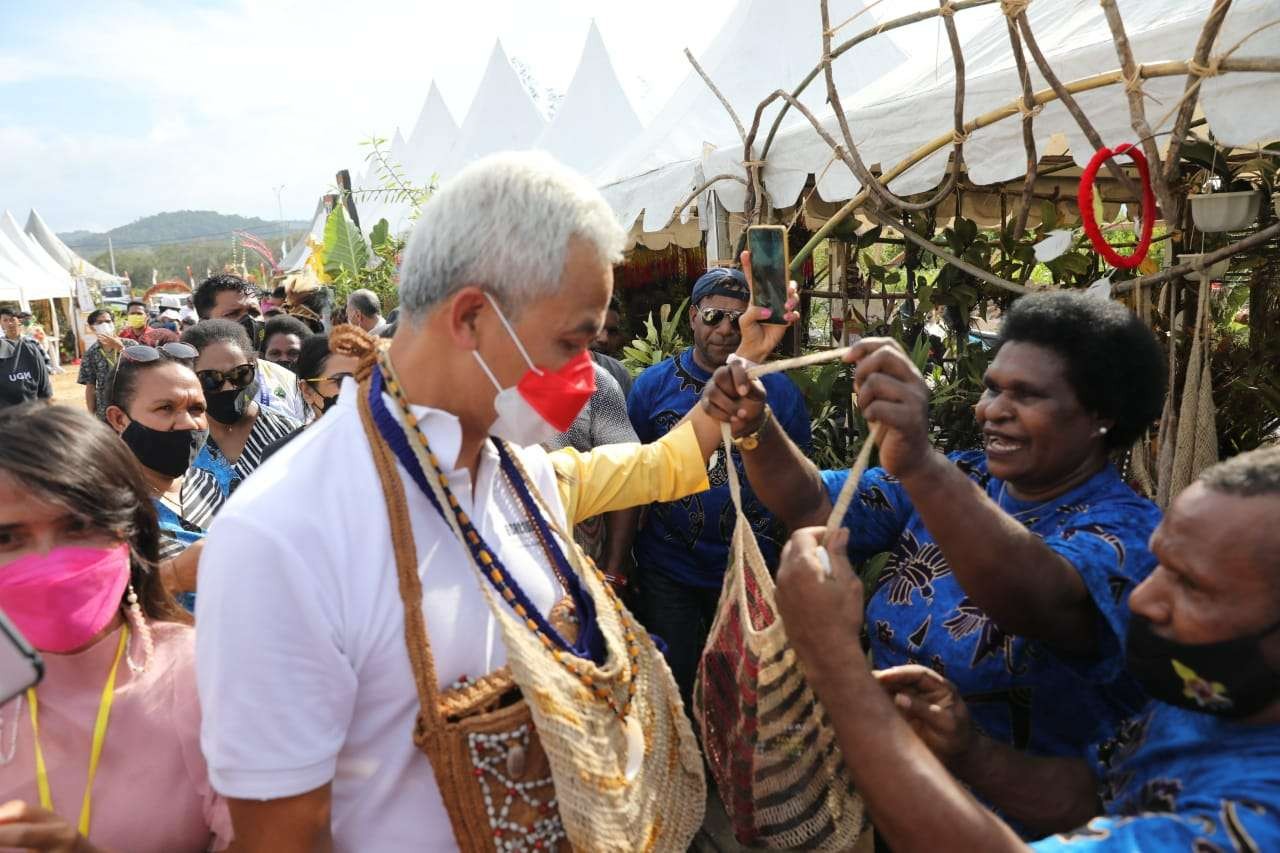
[1227, 201]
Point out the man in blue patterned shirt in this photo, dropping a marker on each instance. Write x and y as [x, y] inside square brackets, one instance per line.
[1198, 770]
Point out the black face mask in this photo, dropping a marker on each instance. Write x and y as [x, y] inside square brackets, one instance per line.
[169, 452]
[254, 327]
[227, 407]
[1227, 679]
[289, 365]
[329, 403]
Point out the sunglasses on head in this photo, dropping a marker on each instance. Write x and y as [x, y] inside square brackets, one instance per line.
[713, 316]
[142, 353]
[337, 377]
[239, 377]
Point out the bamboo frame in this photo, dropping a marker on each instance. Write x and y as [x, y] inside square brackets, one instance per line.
[1169, 68]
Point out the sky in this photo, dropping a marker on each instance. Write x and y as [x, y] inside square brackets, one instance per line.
[114, 110]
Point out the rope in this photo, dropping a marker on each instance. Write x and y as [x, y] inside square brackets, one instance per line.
[1213, 69]
[836, 520]
[1028, 112]
[958, 138]
[1134, 83]
[799, 361]
[1013, 8]
[947, 9]
[749, 163]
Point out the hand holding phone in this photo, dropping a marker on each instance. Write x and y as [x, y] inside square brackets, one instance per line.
[770, 267]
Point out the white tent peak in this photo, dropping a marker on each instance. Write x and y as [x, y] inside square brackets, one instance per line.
[63, 254]
[595, 118]
[432, 138]
[502, 116]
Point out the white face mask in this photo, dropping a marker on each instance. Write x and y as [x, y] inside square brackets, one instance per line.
[105, 328]
[518, 422]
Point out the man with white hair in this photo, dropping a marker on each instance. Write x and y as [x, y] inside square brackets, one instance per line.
[364, 309]
[401, 594]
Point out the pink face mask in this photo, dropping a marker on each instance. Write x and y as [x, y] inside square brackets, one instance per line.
[60, 600]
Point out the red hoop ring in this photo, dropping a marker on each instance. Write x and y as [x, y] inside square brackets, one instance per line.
[1085, 199]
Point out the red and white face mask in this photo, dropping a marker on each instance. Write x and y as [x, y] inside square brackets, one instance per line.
[543, 403]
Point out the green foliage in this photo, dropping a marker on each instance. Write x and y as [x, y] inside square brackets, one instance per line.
[661, 340]
[395, 185]
[382, 276]
[344, 246]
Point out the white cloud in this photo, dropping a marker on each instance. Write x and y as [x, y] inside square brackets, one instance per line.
[250, 95]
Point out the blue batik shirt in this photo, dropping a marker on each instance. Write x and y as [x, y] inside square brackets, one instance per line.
[1019, 691]
[688, 540]
[1174, 779]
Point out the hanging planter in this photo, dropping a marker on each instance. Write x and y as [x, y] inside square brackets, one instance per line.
[1214, 212]
[1215, 271]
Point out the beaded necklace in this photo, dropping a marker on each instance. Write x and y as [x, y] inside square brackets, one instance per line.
[572, 657]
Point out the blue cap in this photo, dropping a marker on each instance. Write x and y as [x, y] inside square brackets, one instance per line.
[720, 281]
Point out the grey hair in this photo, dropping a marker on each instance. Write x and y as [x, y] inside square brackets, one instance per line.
[1249, 475]
[366, 302]
[504, 223]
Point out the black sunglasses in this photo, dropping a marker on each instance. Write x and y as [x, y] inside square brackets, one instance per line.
[143, 354]
[239, 377]
[713, 316]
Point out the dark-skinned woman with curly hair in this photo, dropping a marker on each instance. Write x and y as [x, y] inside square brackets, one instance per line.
[1009, 567]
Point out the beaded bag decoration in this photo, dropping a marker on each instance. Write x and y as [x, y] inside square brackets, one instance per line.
[581, 739]
[769, 744]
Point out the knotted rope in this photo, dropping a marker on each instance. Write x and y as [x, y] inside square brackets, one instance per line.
[1028, 113]
[1213, 69]
[1013, 8]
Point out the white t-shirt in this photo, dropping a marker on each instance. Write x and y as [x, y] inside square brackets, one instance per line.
[303, 673]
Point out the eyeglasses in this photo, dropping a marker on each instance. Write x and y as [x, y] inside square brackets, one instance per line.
[143, 354]
[239, 377]
[713, 316]
[337, 377]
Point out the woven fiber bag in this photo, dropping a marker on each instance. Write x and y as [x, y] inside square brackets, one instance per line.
[623, 762]
[767, 739]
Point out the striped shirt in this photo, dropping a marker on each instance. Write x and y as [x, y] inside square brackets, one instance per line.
[269, 427]
[185, 525]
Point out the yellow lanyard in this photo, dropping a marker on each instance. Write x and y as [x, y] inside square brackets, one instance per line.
[99, 736]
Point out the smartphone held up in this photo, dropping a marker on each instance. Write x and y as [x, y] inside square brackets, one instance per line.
[770, 268]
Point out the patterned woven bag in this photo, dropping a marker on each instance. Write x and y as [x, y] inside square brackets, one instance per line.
[767, 739]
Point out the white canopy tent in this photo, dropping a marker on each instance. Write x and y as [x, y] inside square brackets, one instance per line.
[65, 257]
[595, 119]
[432, 139]
[41, 277]
[502, 117]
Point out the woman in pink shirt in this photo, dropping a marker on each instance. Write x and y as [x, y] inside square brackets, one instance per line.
[104, 753]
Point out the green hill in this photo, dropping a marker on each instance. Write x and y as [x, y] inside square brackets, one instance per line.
[181, 226]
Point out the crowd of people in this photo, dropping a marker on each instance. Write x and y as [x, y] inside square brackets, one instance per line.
[299, 587]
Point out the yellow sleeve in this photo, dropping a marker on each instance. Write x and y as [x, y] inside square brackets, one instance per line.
[621, 476]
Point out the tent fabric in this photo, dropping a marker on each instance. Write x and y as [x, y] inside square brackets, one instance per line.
[502, 117]
[301, 251]
[65, 257]
[763, 46]
[595, 118]
[909, 101]
[431, 140]
[41, 277]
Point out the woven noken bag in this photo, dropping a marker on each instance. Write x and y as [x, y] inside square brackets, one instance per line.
[767, 739]
[584, 742]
